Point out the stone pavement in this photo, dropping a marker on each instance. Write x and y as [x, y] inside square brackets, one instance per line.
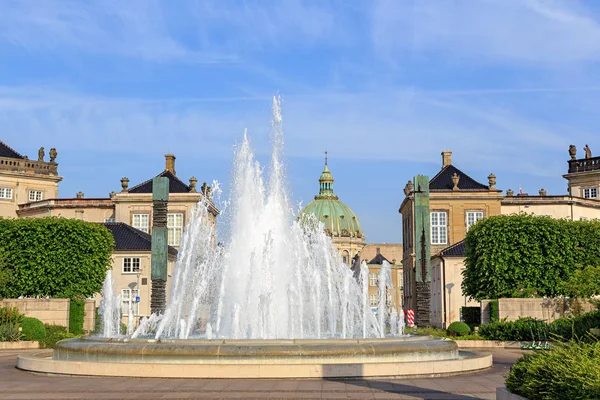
[16, 384]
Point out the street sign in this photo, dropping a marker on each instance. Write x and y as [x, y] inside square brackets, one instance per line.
[137, 299]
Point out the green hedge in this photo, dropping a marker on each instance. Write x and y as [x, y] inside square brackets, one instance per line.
[507, 252]
[55, 257]
[569, 371]
[76, 316]
[33, 329]
[471, 315]
[528, 329]
[459, 329]
[54, 333]
[494, 311]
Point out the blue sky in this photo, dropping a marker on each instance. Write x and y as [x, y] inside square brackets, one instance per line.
[383, 85]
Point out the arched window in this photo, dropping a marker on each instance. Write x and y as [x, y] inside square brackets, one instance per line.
[346, 257]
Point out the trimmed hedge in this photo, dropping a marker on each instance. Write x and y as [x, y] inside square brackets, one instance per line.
[459, 329]
[494, 311]
[529, 329]
[471, 315]
[33, 329]
[54, 333]
[507, 252]
[569, 371]
[76, 316]
[55, 257]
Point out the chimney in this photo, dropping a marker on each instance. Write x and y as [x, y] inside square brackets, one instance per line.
[79, 195]
[170, 163]
[378, 250]
[446, 158]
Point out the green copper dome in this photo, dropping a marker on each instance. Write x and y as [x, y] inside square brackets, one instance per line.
[339, 219]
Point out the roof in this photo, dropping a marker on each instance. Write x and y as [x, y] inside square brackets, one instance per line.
[443, 180]
[129, 238]
[456, 250]
[8, 152]
[379, 259]
[175, 184]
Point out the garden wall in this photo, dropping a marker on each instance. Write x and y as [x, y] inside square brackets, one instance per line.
[52, 311]
[542, 309]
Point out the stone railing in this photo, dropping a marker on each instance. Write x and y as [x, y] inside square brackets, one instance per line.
[584, 165]
[28, 166]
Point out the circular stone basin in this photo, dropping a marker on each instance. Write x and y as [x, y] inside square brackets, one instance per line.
[393, 357]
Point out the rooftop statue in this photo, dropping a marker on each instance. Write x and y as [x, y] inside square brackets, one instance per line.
[588, 152]
[41, 154]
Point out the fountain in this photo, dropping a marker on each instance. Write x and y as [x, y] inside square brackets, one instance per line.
[274, 300]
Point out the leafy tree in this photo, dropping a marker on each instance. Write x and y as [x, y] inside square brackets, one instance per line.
[54, 257]
[5, 272]
[507, 252]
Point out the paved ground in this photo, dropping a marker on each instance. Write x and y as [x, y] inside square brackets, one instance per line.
[16, 384]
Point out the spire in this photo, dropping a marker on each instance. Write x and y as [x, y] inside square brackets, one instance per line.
[326, 183]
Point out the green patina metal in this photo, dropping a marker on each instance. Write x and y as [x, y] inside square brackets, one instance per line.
[338, 218]
[160, 244]
[422, 229]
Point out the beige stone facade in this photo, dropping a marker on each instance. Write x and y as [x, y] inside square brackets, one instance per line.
[559, 207]
[23, 180]
[454, 207]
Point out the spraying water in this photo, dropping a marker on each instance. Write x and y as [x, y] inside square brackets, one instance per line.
[110, 308]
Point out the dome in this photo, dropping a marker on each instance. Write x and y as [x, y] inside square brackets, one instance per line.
[339, 219]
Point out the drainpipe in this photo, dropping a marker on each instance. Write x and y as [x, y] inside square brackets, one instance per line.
[444, 290]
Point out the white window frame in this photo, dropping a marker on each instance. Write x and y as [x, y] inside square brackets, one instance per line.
[590, 193]
[373, 300]
[472, 217]
[139, 224]
[36, 195]
[373, 279]
[128, 296]
[439, 230]
[174, 228]
[6, 193]
[129, 265]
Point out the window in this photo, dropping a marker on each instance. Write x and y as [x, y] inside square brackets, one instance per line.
[128, 297]
[109, 219]
[373, 300]
[439, 234]
[6, 193]
[35, 195]
[141, 222]
[131, 265]
[590, 193]
[473, 217]
[373, 279]
[175, 227]
[346, 257]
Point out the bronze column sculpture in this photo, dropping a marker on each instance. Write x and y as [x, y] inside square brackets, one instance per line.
[160, 246]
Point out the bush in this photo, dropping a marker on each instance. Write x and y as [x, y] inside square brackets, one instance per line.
[33, 329]
[523, 329]
[458, 328]
[55, 257]
[10, 332]
[494, 311]
[10, 315]
[54, 333]
[569, 371]
[575, 328]
[506, 252]
[76, 315]
[471, 315]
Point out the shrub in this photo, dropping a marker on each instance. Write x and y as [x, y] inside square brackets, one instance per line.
[506, 252]
[494, 311]
[523, 329]
[54, 333]
[76, 315]
[435, 332]
[569, 371]
[55, 257]
[458, 328]
[33, 329]
[471, 315]
[575, 328]
[10, 315]
[10, 332]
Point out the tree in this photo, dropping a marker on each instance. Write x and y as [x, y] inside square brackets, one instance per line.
[505, 253]
[54, 257]
[5, 272]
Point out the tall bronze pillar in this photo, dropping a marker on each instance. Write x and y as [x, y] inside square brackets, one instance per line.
[160, 244]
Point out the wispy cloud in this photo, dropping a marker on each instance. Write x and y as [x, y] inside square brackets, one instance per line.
[528, 31]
